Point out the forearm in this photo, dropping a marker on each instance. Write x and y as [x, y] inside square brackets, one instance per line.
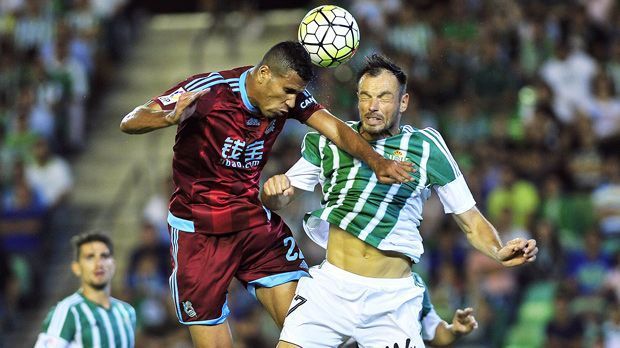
[444, 335]
[482, 235]
[144, 119]
[348, 140]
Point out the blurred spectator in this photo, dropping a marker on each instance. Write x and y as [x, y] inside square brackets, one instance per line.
[156, 209]
[147, 285]
[22, 213]
[606, 198]
[611, 327]
[585, 163]
[612, 279]
[564, 330]
[551, 258]
[588, 267]
[519, 195]
[68, 69]
[50, 175]
[34, 25]
[569, 74]
[604, 108]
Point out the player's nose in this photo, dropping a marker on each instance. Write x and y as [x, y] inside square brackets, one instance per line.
[290, 102]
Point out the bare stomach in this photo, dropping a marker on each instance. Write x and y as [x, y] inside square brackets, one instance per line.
[347, 252]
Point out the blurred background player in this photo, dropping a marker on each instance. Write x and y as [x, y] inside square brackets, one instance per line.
[436, 331]
[370, 230]
[227, 124]
[90, 317]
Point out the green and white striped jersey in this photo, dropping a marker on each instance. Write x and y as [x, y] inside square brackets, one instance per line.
[384, 216]
[78, 322]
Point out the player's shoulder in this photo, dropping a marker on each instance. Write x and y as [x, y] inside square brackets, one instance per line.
[227, 79]
[62, 307]
[70, 301]
[428, 134]
[122, 304]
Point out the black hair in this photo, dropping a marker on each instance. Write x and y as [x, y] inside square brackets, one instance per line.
[289, 55]
[376, 63]
[88, 237]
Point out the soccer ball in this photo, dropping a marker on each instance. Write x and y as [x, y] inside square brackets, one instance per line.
[330, 34]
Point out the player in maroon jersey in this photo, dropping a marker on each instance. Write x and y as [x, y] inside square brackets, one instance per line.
[227, 124]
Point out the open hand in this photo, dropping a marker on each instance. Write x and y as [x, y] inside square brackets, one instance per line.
[185, 107]
[392, 172]
[517, 252]
[463, 322]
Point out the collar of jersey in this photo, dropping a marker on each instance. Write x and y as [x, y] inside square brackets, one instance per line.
[244, 92]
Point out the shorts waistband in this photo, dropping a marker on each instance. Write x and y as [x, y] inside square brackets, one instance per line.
[366, 281]
[180, 224]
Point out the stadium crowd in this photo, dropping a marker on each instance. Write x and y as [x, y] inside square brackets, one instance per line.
[53, 56]
[523, 91]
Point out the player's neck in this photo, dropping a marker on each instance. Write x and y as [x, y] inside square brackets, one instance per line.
[250, 86]
[100, 297]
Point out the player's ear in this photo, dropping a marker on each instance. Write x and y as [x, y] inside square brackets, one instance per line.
[75, 268]
[264, 74]
[404, 102]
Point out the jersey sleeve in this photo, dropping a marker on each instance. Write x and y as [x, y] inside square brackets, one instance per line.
[305, 173]
[305, 106]
[196, 83]
[445, 176]
[58, 328]
[310, 148]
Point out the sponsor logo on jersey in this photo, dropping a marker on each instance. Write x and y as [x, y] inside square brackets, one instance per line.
[237, 154]
[172, 97]
[189, 309]
[308, 101]
[252, 122]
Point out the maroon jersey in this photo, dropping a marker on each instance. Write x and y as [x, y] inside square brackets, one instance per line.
[219, 153]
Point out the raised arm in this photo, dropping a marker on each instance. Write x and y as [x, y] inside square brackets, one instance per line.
[483, 236]
[387, 171]
[150, 116]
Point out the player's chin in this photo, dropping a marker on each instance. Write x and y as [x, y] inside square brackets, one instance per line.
[373, 129]
[272, 114]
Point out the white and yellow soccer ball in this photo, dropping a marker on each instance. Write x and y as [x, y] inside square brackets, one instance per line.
[330, 34]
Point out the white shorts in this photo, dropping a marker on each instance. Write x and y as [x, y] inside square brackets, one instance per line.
[335, 305]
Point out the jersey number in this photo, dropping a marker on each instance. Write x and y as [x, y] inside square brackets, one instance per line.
[291, 254]
[300, 300]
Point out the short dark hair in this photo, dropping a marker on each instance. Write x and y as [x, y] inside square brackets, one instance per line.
[289, 55]
[376, 63]
[88, 237]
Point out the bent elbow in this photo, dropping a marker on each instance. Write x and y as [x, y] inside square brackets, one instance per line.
[125, 126]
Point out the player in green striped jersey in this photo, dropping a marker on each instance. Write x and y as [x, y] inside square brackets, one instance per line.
[370, 229]
[90, 317]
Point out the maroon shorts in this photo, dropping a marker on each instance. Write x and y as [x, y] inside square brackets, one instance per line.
[204, 265]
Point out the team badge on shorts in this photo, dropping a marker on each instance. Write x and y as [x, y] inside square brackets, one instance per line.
[189, 309]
